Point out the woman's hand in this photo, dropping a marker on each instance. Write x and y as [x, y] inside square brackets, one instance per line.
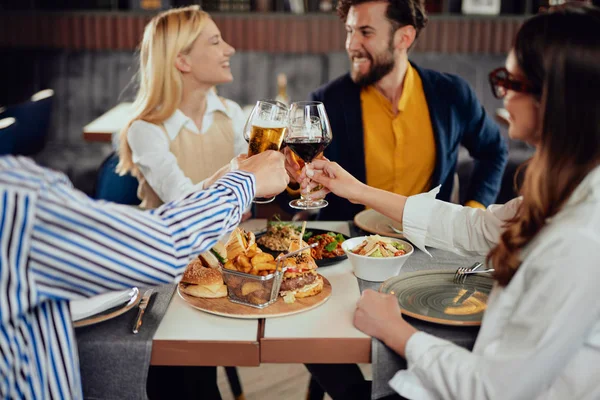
[291, 165]
[378, 315]
[334, 178]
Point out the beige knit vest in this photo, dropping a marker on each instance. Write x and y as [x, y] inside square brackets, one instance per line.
[198, 155]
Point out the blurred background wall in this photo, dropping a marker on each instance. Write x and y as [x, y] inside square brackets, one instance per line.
[85, 50]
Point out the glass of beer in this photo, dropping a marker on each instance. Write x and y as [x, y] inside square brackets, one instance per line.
[265, 130]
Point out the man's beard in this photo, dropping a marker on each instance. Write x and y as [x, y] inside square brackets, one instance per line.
[381, 65]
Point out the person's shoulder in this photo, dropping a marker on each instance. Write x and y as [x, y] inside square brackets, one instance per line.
[335, 87]
[25, 173]
[144, 130]
[140, 124]
[442, 80]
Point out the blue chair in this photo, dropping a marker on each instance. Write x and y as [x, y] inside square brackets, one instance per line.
[111, 186]
[34, 118]
[8, 128]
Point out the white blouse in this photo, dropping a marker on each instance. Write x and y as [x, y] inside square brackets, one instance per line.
[540, 336]
[151, 153]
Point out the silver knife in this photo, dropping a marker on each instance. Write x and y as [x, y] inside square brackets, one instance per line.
[142, 308]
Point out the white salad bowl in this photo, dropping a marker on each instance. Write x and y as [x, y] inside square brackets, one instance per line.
[375, 269]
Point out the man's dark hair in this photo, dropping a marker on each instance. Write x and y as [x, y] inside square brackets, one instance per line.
[399, 12]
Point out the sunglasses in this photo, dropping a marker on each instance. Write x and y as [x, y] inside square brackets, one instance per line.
[500, 82]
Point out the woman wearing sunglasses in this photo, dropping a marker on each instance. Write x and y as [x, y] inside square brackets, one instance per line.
[540, 337]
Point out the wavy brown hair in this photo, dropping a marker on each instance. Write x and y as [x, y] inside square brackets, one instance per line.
[559, 51]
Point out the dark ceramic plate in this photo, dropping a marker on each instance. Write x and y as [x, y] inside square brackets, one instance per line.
[433, 296]
[321, 263]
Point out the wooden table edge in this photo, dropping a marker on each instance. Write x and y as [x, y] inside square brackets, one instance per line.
[315, 350]
[205, 353]
[105, 137]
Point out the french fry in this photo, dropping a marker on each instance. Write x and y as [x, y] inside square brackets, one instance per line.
[265, 266]
[229, 265]
[243, 262]
[258, 297]
[253, 250]
[261, 258]
[250, 287]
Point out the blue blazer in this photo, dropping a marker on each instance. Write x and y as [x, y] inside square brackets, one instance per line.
[457, 118]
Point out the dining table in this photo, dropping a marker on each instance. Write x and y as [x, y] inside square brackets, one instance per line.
[103, 128]
[177, 334]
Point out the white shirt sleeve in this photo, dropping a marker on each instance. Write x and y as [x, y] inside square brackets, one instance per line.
[238, 120]
[549, 324]
[451, 227]
[151, 153]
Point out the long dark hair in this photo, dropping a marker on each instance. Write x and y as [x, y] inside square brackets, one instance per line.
[559, 51]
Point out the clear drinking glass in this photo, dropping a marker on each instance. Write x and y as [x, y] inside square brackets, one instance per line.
[309, 133]
[265, 130]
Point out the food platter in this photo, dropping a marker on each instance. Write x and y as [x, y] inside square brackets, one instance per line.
[315, 232]
[223, 307]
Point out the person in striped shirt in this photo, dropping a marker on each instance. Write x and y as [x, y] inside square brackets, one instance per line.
[57, 245]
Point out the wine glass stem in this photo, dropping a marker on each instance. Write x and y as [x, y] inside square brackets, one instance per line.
[306, 191]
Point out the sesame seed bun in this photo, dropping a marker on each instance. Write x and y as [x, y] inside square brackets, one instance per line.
[200, 281]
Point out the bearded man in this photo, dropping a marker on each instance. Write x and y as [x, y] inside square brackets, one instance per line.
[397, 126]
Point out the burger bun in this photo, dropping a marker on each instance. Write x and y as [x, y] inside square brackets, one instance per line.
[200, 281]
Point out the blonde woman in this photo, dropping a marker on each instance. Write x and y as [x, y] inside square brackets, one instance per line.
[182, 136]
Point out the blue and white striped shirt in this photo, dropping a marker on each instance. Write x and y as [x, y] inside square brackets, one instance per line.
[56, 245]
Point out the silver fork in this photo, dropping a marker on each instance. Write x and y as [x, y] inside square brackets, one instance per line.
[395, 230]
[461, 274]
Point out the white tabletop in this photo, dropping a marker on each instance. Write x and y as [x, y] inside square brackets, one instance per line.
[184, 323]
[187, 336]
[326, 333]
[102, 128]
[337, 311]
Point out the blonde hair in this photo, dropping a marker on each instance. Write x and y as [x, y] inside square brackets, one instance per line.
[167, 35]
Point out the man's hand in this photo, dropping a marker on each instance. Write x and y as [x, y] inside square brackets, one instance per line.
[269, 171]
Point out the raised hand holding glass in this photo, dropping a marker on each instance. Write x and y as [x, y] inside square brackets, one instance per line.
[265, 130]
[309, 133]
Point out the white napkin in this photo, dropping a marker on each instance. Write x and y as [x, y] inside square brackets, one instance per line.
[84, 308]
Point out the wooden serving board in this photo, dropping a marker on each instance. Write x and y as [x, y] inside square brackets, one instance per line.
[280, 308]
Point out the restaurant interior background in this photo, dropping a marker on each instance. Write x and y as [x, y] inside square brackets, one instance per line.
[85, 51]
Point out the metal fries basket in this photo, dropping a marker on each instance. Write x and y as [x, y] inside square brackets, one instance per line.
[254, 290]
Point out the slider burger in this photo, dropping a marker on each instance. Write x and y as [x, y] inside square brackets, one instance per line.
[202, 277]
[300, 278]
[200, 281]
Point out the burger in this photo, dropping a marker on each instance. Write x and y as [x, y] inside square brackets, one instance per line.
[201, 281]
[300, 279]
[202, 277]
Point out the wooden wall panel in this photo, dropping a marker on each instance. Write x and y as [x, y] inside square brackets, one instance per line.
[275, 33]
